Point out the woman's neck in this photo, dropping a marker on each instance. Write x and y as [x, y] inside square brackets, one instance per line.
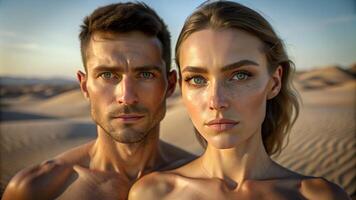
[247, 160]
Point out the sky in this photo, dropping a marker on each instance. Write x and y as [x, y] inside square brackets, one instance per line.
[39, 38]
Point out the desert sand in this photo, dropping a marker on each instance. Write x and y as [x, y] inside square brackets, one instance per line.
[37, 124]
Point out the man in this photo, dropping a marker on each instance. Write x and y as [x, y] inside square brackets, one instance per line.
[126, 54]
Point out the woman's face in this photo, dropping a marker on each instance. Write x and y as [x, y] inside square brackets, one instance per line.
[225, 84]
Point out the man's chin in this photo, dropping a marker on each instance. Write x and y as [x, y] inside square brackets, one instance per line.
[129, 141]
[128, 137]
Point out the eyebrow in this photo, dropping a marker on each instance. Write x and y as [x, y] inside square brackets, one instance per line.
[135, 69]
[228, 67]
[101, 68]
[148, 68]
[194, 69]
[238, 64]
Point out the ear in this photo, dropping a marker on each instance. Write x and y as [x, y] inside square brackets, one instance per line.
[82, 78]
[172, 80]
[180, 81]
[275, 83]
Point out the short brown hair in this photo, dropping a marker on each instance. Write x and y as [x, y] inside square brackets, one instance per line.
[123, 18]
[282, 110]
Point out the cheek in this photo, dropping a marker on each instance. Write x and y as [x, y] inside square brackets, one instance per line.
[152, 94]
[251, 101]
[196, 102]
[99, 92]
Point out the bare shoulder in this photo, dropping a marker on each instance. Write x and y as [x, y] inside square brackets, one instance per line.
[38, 182]
[161, 185]
[156, 185]
[46, 180]
[320, 188]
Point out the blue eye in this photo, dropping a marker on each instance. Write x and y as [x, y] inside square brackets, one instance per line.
[107, 75]
[240, 76]
[196, 81]
[146, 75]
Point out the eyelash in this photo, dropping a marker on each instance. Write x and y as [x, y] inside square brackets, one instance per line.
[151, 77]
[188, 79]
[113, 76]
[248, 74]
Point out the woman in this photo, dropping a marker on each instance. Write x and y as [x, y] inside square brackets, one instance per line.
[236, 85]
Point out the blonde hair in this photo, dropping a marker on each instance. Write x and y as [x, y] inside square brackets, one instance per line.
[281, 111]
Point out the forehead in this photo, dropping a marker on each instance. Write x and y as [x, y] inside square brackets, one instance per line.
[123, 50]
[220, 47]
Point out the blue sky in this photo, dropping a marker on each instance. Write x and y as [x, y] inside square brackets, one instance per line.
[40, 37]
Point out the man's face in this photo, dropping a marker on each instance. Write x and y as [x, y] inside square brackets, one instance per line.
[126, 84]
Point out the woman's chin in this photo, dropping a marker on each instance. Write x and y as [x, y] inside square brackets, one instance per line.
[223, 141]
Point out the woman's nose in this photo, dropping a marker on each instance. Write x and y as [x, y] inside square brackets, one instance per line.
[218, 100]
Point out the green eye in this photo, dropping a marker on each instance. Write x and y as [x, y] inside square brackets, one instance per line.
[107, 75]
[240, 76]
[147, 75]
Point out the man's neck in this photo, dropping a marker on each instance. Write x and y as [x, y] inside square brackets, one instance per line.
[132, 160]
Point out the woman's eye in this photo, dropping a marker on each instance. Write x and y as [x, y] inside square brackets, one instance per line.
[107, 75]
[146, 75]
[240, 76]
[196, 80]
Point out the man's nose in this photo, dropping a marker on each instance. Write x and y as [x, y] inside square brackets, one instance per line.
[217, 97]
[126, 94]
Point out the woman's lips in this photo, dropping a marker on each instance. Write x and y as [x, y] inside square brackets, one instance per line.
[221, 125]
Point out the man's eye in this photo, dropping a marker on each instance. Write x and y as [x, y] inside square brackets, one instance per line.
[240, 76]
[107, 75]
[146, 75]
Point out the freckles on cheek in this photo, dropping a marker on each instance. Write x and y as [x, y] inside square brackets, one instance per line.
[254, 102]
[195, 103]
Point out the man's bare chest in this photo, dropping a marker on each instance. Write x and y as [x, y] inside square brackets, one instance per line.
[97, 185]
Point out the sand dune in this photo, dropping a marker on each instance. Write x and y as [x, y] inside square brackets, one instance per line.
[176, 128]
[67, 104]
[342, 95]
[322, 143]
[324, 77]
[73, 96]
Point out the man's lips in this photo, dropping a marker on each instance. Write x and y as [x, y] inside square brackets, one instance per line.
[128, 117]
[220, 125]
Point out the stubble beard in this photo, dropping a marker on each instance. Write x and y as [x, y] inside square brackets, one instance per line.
[127, 133]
